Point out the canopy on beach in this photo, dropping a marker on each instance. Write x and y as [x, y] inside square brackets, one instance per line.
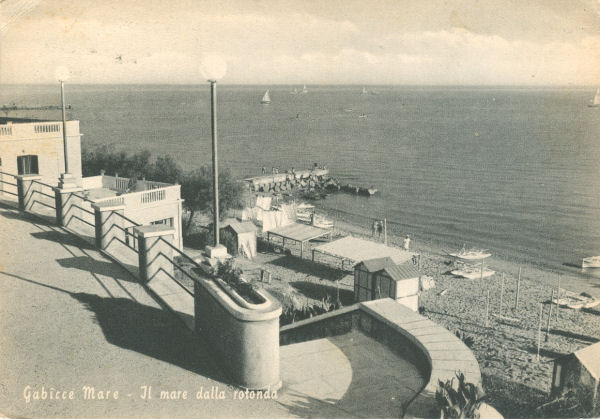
[357, 250]
[297, 232]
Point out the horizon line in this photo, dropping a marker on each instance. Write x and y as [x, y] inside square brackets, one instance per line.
[296, 84]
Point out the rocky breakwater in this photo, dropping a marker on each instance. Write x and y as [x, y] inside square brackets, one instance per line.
[302, 180]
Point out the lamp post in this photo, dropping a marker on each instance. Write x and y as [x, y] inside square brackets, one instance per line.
[62, 74]
[214, 68]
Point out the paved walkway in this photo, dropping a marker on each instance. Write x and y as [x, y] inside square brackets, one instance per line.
[351, 375]
[71, 318]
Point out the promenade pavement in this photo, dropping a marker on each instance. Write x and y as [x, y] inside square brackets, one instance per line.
[71, 319]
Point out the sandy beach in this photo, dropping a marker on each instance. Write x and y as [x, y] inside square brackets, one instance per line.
[505, 344]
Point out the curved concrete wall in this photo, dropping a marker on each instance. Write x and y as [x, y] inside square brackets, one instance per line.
[246, 340]
[437, 352]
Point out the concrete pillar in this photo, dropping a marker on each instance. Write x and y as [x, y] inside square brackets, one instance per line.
[64, 203]
[155, 256]
[108, 226]
[25, 190]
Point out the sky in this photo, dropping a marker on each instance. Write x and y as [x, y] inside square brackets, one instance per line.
[400, 42]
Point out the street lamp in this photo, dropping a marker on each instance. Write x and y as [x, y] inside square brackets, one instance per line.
[62, 74]
[214, 68]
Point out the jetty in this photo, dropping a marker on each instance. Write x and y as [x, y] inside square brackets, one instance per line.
[296, 179]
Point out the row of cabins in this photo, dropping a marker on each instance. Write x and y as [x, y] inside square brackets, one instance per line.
[36, 148]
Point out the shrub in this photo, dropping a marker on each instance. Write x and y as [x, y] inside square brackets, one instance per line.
[467, 340]
[457, 402]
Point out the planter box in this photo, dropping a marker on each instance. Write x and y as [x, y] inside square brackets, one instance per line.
[244, 335]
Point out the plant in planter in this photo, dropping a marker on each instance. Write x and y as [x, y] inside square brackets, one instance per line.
[233, 276]
[460, 401]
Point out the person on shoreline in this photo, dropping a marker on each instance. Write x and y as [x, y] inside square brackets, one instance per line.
[406, 243]
[379, 228]
[374, 228]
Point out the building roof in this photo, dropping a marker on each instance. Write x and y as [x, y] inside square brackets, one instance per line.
[400, 272]
[299, 232]
[387, 265]
[377, 264]
[358, 250]
[241, 227]
[590, 359]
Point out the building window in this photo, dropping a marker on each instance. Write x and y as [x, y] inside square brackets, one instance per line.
[165, 221]
[557, 377]
[27, 165]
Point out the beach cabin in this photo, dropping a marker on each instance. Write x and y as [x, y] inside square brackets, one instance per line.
[579, 372]
[239, 238]
[382, 278]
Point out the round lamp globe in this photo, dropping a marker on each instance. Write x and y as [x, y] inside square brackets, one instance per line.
[213, 67]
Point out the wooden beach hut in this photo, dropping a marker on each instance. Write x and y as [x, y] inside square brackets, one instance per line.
[579, 372]
[239, 238]
[382, 278]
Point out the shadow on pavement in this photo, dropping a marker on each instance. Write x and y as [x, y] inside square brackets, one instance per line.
[62, 238]
[94, 266]
[14, 214]
[150, 331]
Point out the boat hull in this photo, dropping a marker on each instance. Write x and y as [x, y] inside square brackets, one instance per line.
[473, 274]
[592, 262]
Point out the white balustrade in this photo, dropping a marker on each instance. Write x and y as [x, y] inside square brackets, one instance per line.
[32, 130]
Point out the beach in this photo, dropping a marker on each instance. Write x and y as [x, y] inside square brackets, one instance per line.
[505, 344]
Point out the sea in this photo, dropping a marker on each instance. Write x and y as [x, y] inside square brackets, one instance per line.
[512, 170]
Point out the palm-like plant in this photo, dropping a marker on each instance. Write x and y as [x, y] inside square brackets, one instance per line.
[458, 402]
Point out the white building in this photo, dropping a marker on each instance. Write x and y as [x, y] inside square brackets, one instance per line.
[36, 148]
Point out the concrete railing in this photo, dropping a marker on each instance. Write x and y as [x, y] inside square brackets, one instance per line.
[141, 199]
[121, 184]
[437, 353]
[5, 130]
[92, 182]
[37, 130]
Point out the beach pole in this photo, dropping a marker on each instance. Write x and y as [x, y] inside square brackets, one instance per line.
[557, 298]
[385, 231]
[487, 309]
[549, 317]
[539, 342]
[502, 293]
[518, 289]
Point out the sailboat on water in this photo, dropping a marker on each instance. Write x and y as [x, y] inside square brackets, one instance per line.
[304, 90]
[596, 101]
[364, 91]
[266, 99]
[294, 92]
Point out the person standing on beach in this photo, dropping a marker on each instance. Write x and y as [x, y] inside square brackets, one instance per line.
[406, 243]
[379, 228]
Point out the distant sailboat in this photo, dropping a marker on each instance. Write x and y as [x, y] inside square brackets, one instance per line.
[596, 101]
[266, 98]
[364, 91]
[294, 92]
[304, 90]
